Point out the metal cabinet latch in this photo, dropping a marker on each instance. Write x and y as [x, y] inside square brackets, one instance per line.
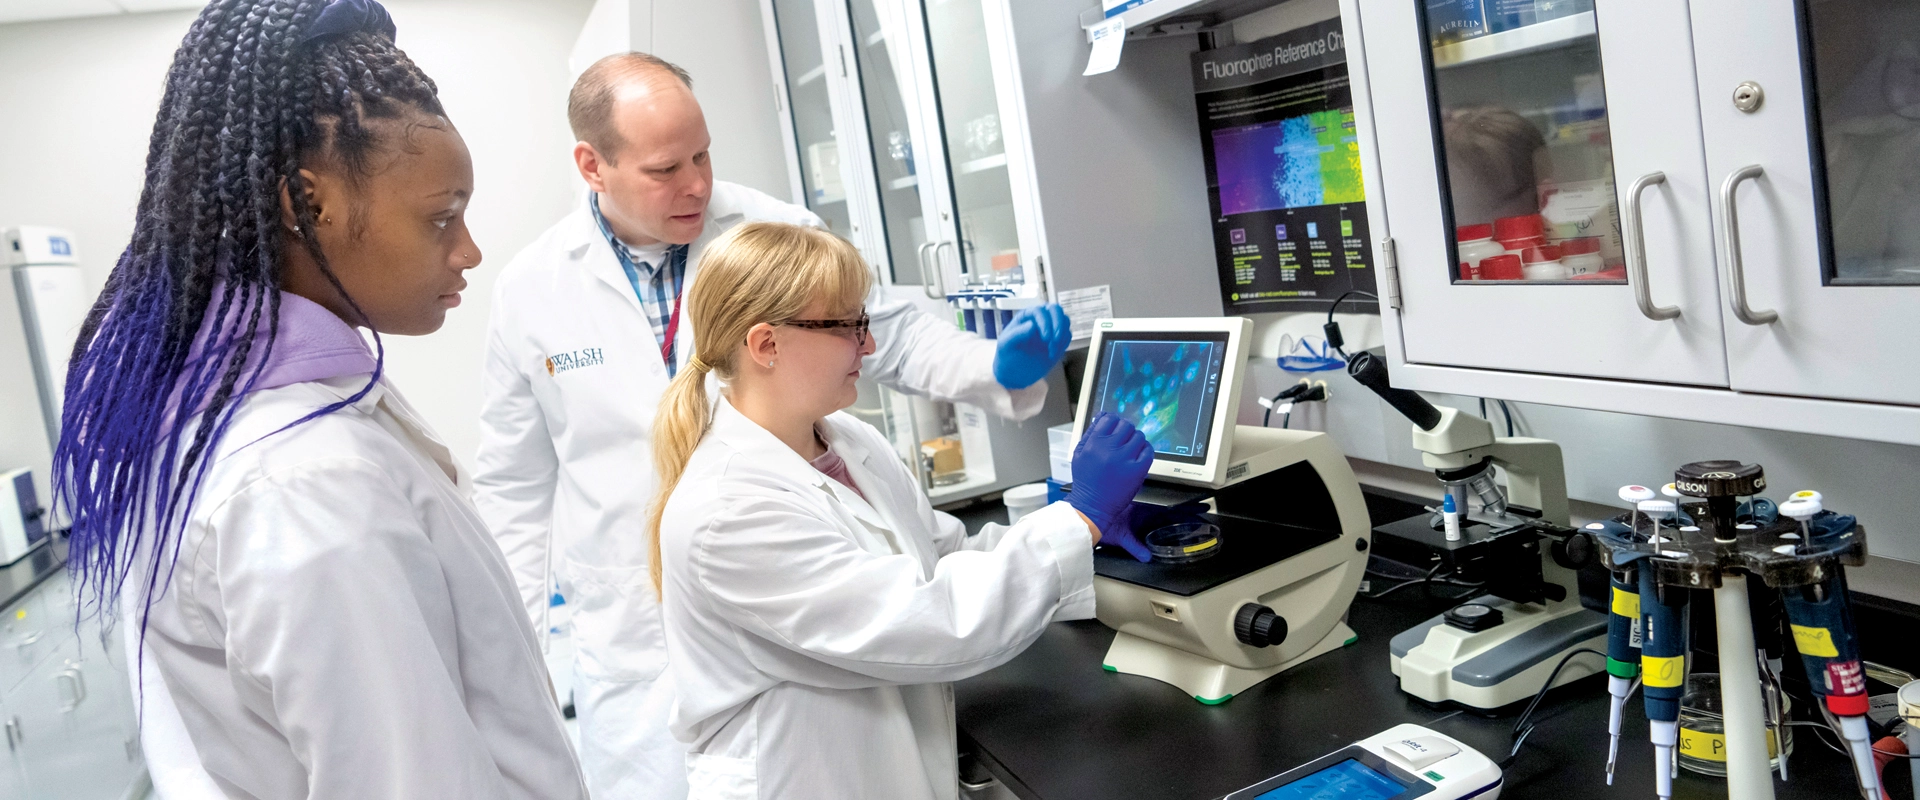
[1747, 96]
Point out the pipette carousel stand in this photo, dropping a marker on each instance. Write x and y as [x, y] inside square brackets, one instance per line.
[1730, 542]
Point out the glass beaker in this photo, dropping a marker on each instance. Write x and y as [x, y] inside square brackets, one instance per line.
[1703, 739]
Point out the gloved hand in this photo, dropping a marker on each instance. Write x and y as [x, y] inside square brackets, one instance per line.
[1030, 345]
[1109, 466]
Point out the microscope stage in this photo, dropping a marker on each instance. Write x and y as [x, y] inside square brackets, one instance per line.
[1246, 545]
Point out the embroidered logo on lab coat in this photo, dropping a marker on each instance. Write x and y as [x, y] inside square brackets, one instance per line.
[583, 357]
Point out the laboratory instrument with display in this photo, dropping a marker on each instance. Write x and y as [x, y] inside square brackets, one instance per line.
[1259, 535]
[1399, 763]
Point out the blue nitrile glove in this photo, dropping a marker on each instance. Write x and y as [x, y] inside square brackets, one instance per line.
[1030, 345]
[1109, 466]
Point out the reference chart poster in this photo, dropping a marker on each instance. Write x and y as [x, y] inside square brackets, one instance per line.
[1283, 171]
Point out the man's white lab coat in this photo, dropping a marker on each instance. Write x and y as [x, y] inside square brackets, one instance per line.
[812, 633]
[573, 377]
[339, 623]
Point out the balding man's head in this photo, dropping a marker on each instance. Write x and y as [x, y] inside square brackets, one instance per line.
[643, 147]
[591, 104]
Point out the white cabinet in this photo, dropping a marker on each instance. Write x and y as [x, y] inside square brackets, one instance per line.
[70, 724]
[1612, 147]
[1823, 179]
[908, 136]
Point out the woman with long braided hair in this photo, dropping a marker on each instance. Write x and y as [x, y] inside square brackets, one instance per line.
[291, 544]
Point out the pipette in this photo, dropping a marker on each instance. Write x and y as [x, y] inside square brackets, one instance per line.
[1657, 510]
[1623, 642]
[1663, 669]
[1803, 507]
[1634, 495]
[1823, 632]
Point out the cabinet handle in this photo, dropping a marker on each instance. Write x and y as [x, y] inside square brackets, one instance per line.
[1736, 272]
[939, 281]
[1637, 251]
[15, 735]
[72, 678]
[926, 285]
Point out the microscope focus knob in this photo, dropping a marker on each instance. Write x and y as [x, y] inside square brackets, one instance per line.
[1719, 479]
[1257, 626]
[1576, 552]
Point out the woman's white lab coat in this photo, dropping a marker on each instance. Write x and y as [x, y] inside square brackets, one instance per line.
[339, 622]
[563, 477]
[811, 633]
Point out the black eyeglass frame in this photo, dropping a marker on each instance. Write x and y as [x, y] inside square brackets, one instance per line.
[860, 326]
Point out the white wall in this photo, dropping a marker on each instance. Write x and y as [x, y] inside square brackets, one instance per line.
[79, 97]
[723, 44]
[502, 70]
[77, 100]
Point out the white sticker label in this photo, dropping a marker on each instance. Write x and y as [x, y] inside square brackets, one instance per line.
[1085, 305]
[1108, 36]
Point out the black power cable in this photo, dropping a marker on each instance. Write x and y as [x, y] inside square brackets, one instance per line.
[1332, 329]
[1521, 727]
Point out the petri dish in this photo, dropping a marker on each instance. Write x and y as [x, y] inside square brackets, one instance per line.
[1184, 543]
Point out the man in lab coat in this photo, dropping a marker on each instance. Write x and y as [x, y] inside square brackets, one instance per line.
[585, 335]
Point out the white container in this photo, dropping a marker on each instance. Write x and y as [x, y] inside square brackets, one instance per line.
[1582, 256]
[1475, 250]
[1545, 271]
[1023, 500]
[1060, 452]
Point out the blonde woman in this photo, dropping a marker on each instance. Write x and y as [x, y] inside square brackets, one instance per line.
[816, 606]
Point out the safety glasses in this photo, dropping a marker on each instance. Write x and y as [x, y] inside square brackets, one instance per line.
[857, 326]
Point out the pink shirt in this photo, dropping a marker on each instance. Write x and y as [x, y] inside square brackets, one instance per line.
[831, 465]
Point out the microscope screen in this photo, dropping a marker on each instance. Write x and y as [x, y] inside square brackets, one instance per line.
[1347, 780]
[1167, 385]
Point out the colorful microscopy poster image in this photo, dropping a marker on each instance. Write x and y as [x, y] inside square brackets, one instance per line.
[1283, 171]
[1167, 389]
[1303, 161]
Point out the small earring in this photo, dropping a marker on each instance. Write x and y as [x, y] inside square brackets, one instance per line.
[327, 221]
[296, 230]
[770, 363]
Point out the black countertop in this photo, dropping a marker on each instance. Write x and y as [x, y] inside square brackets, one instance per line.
[20, 577]
[1053, 725]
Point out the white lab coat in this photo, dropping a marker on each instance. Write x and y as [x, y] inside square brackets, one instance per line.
[812, 632]
[339, 624]
[564, 475]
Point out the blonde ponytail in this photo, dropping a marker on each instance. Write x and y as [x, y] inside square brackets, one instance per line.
[757, 272]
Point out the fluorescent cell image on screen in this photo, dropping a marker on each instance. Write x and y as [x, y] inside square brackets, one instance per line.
[1167, 389]
[1347, 780]
[1309, 160]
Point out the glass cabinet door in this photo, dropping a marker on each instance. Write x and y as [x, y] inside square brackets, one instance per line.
[1516, 140]
[1812, 120]
[885, 61]
[824, 181]
[987, 247]
[1525, 145]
